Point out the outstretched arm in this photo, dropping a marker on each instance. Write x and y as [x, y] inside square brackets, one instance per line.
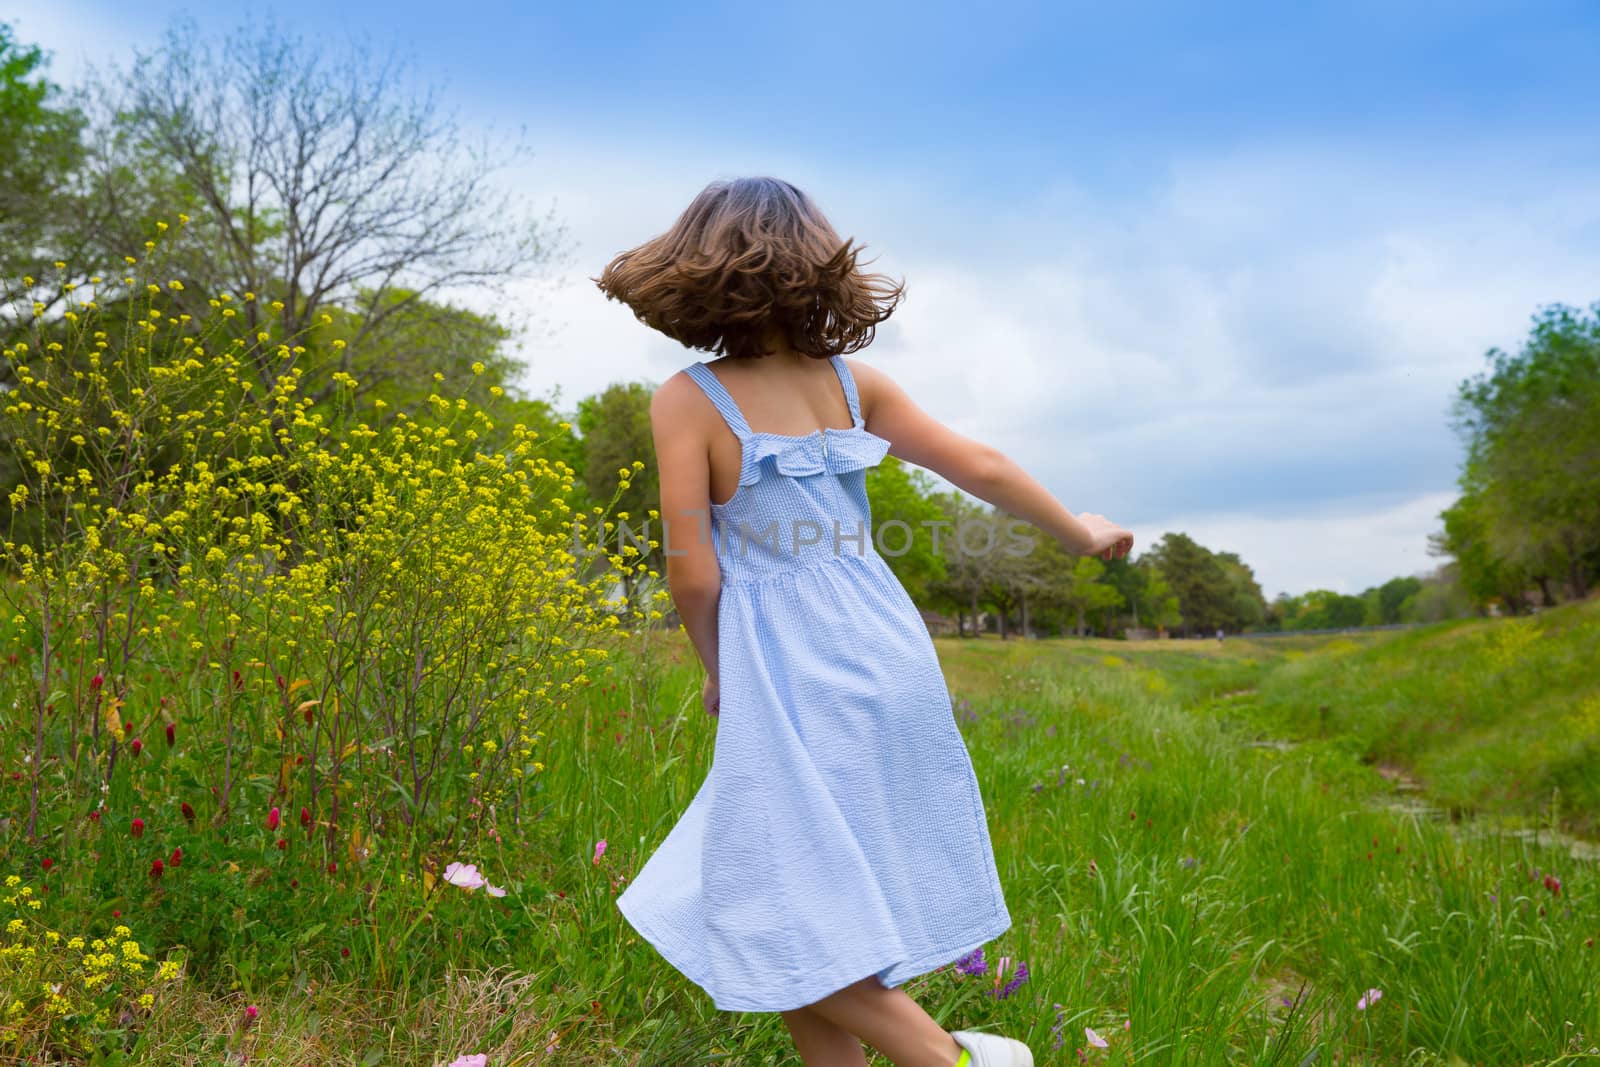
[677, 417]
[980, 469]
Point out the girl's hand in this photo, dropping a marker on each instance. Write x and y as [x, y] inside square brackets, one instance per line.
[1110, 540]
[711, 697]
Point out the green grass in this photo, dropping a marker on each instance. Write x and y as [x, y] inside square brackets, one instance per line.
[1228, 874]
[1499, 718]
[1193, 894]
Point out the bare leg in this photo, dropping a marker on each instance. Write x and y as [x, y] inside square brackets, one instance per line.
[891, 1022]
[821, 1043]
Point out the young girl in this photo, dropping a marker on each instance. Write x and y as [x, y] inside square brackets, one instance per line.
[838, 846]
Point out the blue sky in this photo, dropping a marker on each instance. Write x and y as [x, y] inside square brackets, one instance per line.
[1215, 268]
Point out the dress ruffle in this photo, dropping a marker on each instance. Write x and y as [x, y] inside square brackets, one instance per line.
[848, 450]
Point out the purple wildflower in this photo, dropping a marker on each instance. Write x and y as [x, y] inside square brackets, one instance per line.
[1055, 1027]
[1017, 979]
[972, 962]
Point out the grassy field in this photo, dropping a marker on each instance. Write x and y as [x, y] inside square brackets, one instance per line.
[1211, 853]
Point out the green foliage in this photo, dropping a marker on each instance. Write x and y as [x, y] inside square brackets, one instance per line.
[968, 575]
[901, 493]
[1161, 607]
[1321, 609]
[1082, 591]
[41, 152]
[615, 434]
[1530, 507]
[1214, 590]
[1485, 576]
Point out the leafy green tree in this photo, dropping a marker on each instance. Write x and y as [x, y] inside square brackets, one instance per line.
[40, 155]
[1324, 609]
[1205, 592]
[1083, 592]
[969, 568]
[398, 366]
[1246, 606]
[1484, 575]
[901, 493]
[1157, 604]
[614, 427]
[1532, 425]
[1440, 596]
[1145, 592]
[1392, 596]
[1027, 570]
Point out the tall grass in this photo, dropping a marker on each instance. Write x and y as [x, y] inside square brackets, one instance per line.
[1190, 893]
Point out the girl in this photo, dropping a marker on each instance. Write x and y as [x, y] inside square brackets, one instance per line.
[838, 846]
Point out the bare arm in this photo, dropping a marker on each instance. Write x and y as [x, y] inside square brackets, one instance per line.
[980, 469]
[678, 426]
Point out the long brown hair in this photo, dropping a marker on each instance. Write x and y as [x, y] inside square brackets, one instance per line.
[748, 257]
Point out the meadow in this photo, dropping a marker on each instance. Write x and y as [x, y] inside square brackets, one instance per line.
[1203, 847]
[329, 741]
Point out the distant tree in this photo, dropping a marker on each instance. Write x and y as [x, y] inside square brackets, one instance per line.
[398, 365]
[1440, 596]
[1206, 594]
[1324, 609]
[1145, 592]
[1246, 605]
[1029, 582]
[969, 565]
[1083, 591]
[614, 427]
[1283, 607]
[1392, 596]
[1157, 599]
[1128, 579]
[1486, 578]
[900, 493]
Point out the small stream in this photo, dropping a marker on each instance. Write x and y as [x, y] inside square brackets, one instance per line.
[1409, 798]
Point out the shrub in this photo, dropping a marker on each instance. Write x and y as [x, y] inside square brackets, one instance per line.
[229, 600]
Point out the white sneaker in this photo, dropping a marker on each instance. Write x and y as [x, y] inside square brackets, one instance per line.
[992, 1050]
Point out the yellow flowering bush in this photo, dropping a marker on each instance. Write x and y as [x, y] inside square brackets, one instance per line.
[58, 989]
[234, 599]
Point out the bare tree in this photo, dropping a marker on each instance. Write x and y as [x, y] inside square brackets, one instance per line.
[319, 180]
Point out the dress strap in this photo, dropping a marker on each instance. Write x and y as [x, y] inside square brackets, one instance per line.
[848, 380]
[718, 395]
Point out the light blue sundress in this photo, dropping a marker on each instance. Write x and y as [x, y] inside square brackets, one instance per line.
[839, 832]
